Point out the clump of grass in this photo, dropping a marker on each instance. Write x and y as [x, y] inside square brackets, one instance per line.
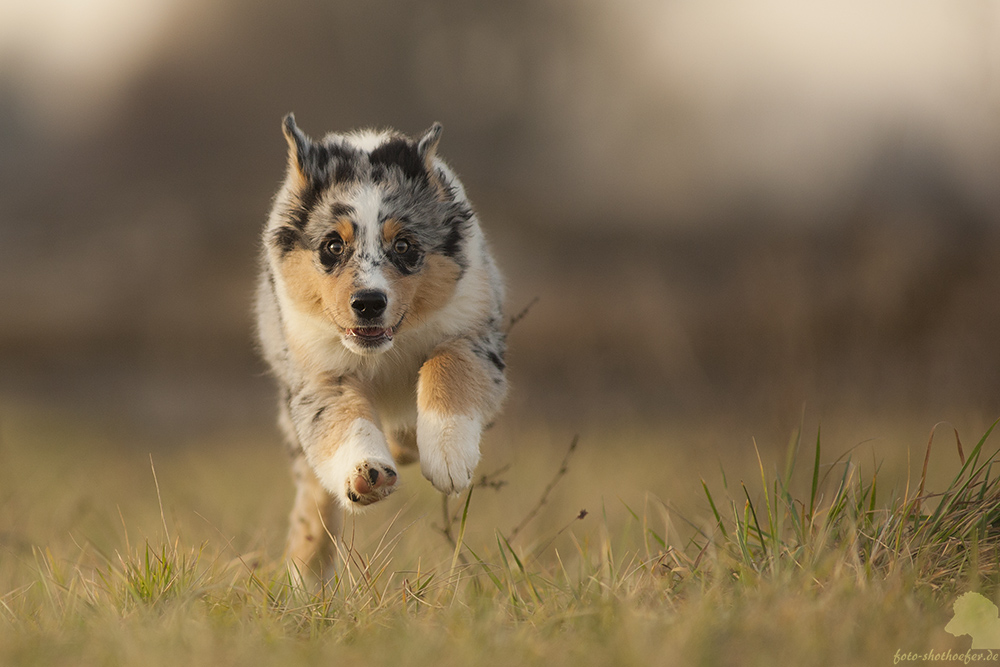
[941, 537]
[763, 557]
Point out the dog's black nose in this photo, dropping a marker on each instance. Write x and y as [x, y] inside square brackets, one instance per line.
[369, 303]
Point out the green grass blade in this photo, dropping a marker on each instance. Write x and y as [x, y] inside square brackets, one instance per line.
[461, 529]
[508, 575]
[520, 566]
[715, 512]
[756, 523]
[957, 490]
[486, 568]
[815, 480]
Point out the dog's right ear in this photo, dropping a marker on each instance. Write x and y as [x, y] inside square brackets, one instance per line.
[427, 146]
[298, 148]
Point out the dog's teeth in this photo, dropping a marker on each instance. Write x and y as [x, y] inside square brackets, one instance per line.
[369, 332]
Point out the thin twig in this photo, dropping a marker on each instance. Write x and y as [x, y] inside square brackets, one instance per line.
[493, 480]
[563, 469]
[490, 480]
[579, 517]
[521, 315]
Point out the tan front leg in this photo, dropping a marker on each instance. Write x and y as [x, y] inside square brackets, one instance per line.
[349, 455]
[458, 392]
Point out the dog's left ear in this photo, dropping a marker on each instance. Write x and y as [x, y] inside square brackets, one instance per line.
[299, 149]
[427, 146]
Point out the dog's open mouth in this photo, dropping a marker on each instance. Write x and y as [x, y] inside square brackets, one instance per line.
[370, 335]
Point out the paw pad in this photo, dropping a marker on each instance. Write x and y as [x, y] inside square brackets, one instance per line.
[371, 482]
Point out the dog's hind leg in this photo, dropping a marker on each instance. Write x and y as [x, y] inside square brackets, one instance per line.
[403, 446]
[316, 518]
[316, 522]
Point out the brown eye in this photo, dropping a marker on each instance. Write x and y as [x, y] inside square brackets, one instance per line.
[400, 246]
[335, 246]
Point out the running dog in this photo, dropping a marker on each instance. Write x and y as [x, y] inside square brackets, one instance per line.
[379, 312]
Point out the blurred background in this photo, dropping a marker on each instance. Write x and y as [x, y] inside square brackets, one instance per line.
[727, 210]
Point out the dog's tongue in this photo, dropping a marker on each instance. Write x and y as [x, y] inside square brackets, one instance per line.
[369, 332]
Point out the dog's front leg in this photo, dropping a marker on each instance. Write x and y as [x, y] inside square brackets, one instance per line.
[458, 392]
[344, 447]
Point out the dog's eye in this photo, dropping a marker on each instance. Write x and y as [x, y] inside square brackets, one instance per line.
[400, 246]
[335, 246]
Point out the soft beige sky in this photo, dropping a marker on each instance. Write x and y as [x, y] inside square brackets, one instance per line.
[918, 53]
[72, 56]
[791, 93]
[770, 95]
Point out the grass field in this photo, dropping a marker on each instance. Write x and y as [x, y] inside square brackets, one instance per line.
[645, 547]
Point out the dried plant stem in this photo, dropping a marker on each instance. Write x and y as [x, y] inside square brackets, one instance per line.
[159, 499]
[521, 315]
[560, 473]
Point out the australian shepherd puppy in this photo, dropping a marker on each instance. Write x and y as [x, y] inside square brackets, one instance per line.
[379, 313]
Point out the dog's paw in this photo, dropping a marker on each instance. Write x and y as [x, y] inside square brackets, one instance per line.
[449, 450]
[370, 482]
[361, 471]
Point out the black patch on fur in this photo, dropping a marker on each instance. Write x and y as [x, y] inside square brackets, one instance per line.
[340, 209]
[322, 165]
[313, 161]
[354, 498]
[303, 205]
[456, 228]
[399, 153]
[319, 414]
[497, 361]
[452, 244]
[287, 238]
[341, 164]
[491, 350]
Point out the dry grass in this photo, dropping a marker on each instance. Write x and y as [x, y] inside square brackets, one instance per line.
[820, 562]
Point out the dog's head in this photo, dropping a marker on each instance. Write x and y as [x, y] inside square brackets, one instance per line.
[369, 232]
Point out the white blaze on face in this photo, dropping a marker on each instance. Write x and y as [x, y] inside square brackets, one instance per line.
[368, 241]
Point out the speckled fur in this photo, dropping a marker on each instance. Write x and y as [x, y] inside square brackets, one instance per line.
[374, 212]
